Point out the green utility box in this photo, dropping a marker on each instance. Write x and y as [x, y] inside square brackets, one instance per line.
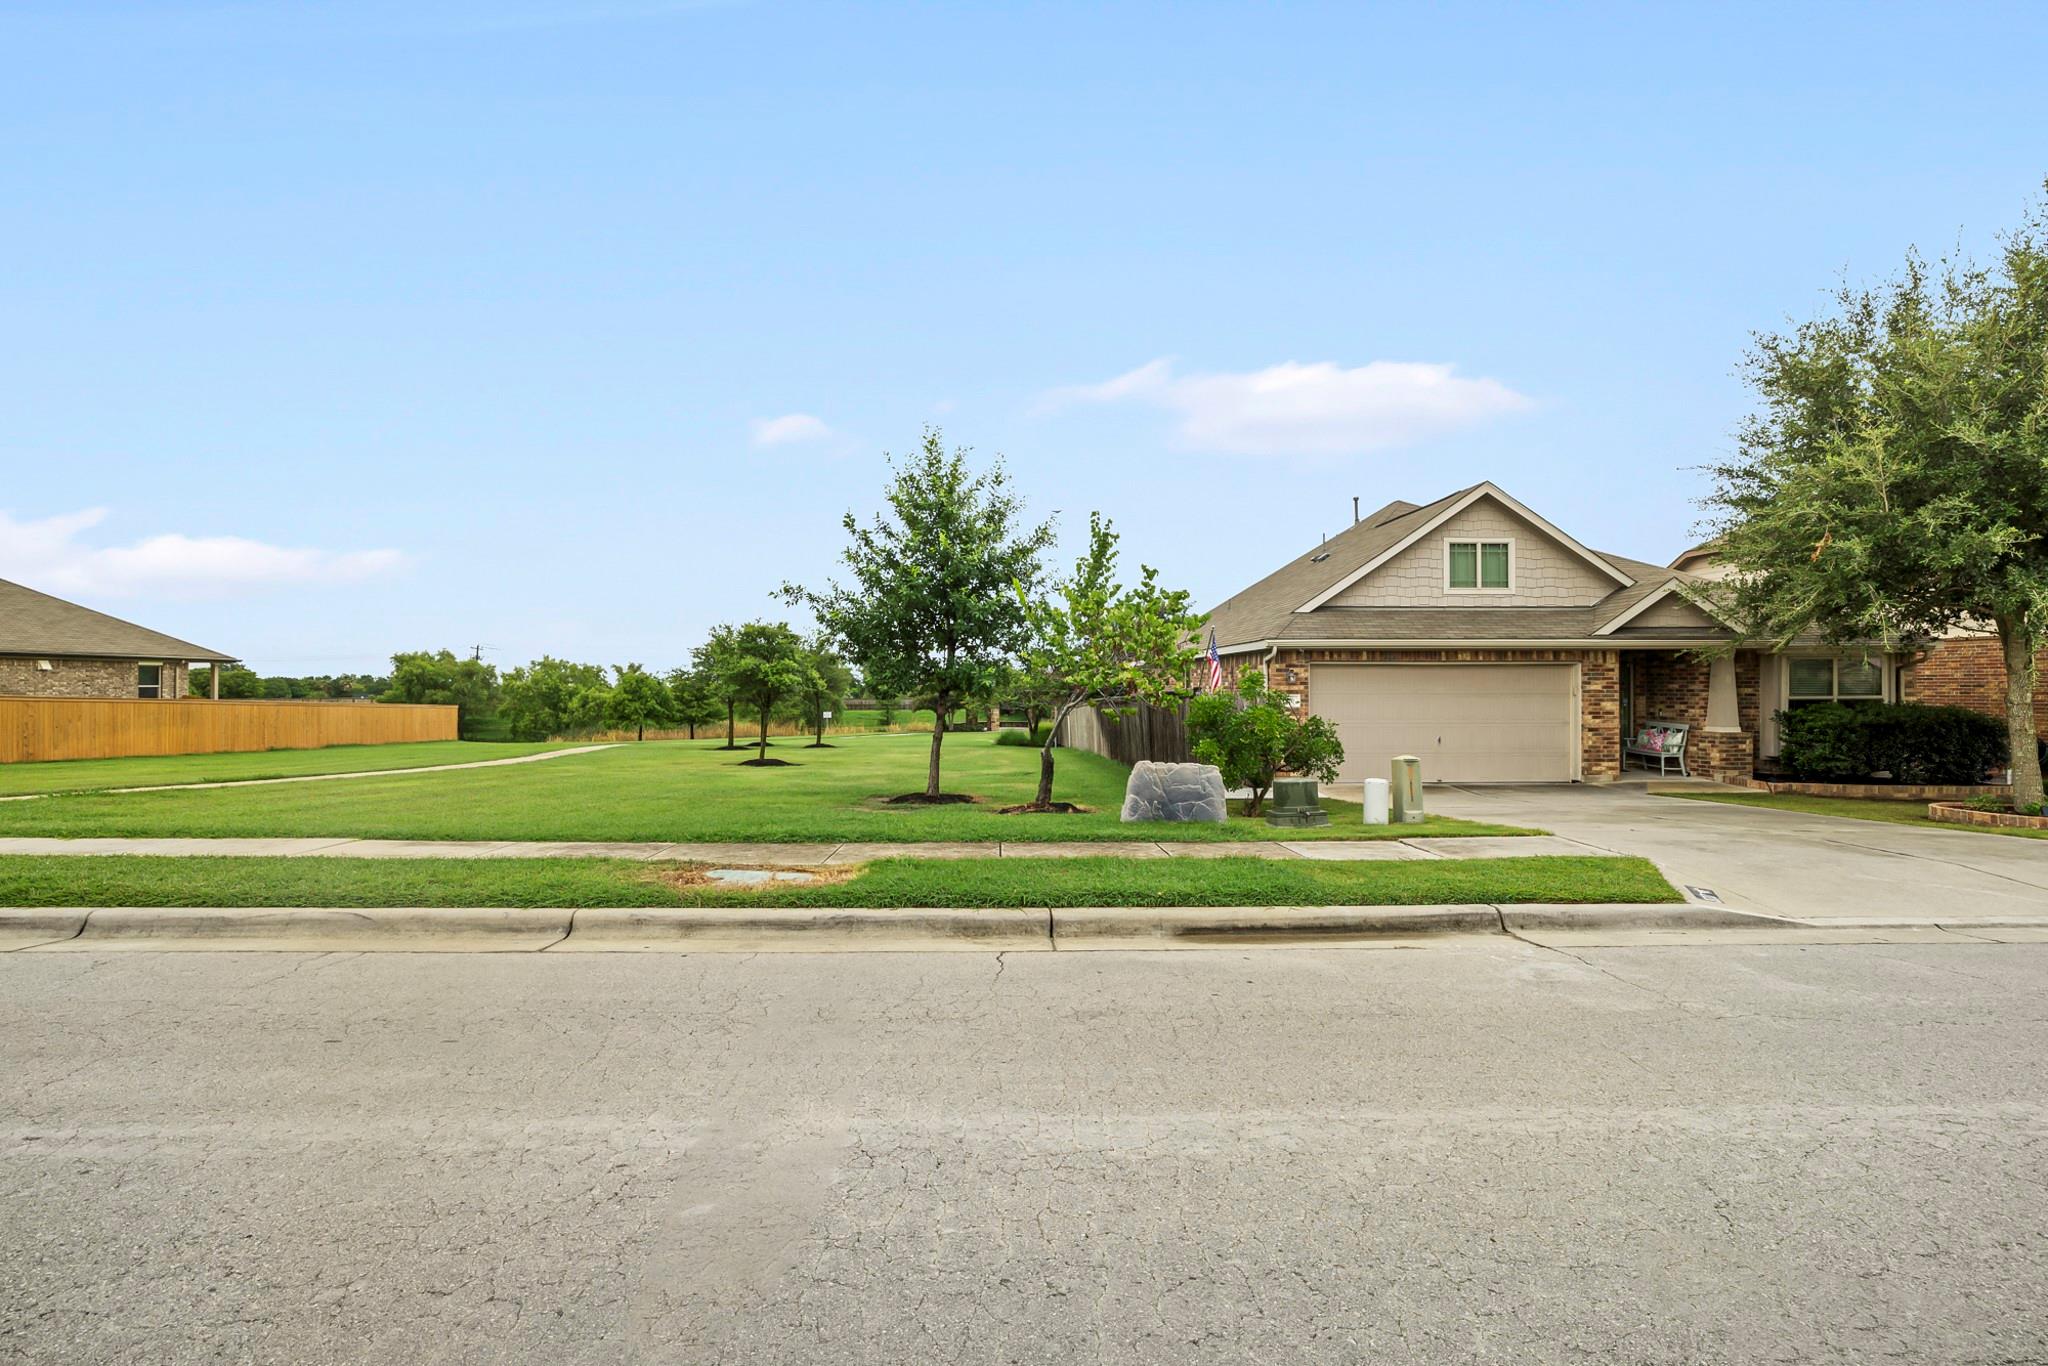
[1407, 782]
[1297, 803]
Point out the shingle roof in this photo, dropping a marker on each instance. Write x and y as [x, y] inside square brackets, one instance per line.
[1266, 610]
[33, 623]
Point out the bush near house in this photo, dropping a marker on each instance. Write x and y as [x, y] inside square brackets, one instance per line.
[1909, 742]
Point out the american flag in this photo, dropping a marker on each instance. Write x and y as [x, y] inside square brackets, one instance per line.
[1215, 665]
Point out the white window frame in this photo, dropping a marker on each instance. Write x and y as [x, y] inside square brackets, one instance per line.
[1835, 661]
[156, 664]
[1479, 544]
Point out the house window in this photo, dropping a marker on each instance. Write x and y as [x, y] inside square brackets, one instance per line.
[1481, 564]
[1849, 679]
[149, 680]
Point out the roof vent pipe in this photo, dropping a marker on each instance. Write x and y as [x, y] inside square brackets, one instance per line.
[1354, 509]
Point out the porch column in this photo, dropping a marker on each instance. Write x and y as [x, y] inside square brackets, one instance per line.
[213, 682]
[1722, 707]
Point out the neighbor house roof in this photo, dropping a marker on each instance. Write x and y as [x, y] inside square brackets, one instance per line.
[33, 623]
[1272, 609]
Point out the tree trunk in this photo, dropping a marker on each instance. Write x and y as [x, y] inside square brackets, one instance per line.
[2016, 635]
[1045, 761]
[693, 728]
[731, 709]
[642, 736]
[940, 706]
[765, 708]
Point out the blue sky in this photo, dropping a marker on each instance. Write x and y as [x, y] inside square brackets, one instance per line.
[334, 329]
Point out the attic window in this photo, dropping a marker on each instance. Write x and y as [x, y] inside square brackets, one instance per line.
[1479, 566]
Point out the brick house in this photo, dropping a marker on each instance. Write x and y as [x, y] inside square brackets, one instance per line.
[1477, 635]
[53, 648]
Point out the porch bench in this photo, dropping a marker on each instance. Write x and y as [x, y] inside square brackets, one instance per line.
[1660, 741]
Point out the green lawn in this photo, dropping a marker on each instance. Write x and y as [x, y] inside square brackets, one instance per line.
[119, 880]
[81, 775]
[679, 790]
[1852, 808]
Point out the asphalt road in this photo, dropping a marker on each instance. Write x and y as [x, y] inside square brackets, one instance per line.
[1479, 1152]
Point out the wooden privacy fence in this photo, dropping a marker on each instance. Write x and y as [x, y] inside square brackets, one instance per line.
[35, 728]
[1144, 732]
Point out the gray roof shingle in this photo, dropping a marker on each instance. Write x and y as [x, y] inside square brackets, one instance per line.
[33, 623]
[1266, 610]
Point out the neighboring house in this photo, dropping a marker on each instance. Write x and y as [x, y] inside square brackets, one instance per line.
[1475, 634]
[53, 648]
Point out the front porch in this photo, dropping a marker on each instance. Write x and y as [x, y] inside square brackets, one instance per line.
[1717, 696]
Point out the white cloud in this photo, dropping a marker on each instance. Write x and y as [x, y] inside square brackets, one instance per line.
[1316, 409]
[48, 554]
[788, 430]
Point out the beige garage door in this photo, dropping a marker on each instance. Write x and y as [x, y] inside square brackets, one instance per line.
[1472, 723]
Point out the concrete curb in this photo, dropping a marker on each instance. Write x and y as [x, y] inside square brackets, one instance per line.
[793, 929]
[318, 930]
[1027, 929]
[1103, 927]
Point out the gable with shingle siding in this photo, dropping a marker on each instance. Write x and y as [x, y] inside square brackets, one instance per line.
[1546, 574]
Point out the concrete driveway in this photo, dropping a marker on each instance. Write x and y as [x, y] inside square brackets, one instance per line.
[1781, 862]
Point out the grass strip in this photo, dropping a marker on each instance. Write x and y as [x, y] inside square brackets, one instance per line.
[1890, 811]
[92, 775]
[680, 791]
[130, 880]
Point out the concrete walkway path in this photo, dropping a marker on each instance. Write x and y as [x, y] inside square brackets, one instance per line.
[316, 777]
[810, 855]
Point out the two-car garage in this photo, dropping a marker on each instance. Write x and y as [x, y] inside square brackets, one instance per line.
[1467, 722]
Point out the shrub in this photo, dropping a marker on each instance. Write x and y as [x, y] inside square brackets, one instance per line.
[1908, 742]
[1251, 738]
[1031, 738]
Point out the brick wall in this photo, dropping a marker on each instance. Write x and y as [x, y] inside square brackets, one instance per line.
[19, 677]
[1969, 671]
[1673, 685]
[1599, 688]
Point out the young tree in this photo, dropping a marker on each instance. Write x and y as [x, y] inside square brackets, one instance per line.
[1895, 482]
[765, 665]
[638, 700]
[932, 605]
[1095, 642]
[826, 685]
[1252, 738]
[539, 697]
[692, 696]
[711, 662]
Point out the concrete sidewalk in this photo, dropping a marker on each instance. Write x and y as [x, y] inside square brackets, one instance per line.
[813, 855]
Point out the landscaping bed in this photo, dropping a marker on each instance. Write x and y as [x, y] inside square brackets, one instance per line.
[1960, 813]
[1891, 812]
[1883, 792]
[135, 880]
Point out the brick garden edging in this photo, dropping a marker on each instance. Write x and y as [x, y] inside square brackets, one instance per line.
[1957, 814]
[1902, 792]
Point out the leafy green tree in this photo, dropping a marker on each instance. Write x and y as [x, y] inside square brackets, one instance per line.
[235, 682]
[693, 699]
[443, 677]
[638, 700]
[1894, 483]
[931, 609]
[765, 665]
[1095, 642]
[589, 706]
[712, 662]
[828, 681]
[1252, 738]
[538, 696]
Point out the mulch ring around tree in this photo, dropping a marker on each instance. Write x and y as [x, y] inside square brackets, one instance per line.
[767, 763]
[925, 799]
[1049, 809]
